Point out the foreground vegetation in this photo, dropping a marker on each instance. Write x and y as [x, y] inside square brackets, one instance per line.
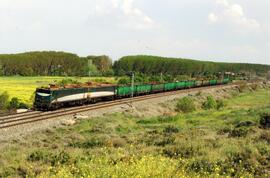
[201, 139]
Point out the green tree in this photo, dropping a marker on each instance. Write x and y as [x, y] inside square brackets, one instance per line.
[102, 63]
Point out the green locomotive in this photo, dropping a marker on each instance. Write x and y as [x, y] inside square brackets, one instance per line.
[55, 98]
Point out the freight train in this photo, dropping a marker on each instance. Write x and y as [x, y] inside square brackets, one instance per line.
[53, 98]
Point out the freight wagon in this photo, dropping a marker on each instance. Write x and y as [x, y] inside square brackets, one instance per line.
[55, 98]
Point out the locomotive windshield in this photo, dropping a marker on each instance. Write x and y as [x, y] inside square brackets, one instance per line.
[43, 91]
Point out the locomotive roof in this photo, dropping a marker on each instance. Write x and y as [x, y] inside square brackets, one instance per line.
[54, 87]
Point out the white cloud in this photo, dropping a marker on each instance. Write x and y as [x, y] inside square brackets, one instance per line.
[124, 14]
[15, 4]
[232, 15]
[212, 17]
[222, 2]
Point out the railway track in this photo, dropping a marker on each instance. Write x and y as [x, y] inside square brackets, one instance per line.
[35, 116]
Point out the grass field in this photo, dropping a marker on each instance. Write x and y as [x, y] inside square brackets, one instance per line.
[24, 87]
[205, 143]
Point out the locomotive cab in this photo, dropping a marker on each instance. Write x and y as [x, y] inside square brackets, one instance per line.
[43, 99]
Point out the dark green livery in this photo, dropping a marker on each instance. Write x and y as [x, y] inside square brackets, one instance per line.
[50, 99]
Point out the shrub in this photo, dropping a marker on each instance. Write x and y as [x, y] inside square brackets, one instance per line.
[165, 141]
[210, 103]
[265, 136]
[14, 103]
[224, 130]
[171, 129]
[23, 106]
[91, 143]
[246, 124]
[124, 81]
[4, 100]
[265, 120]
[61, 158]
[202, 165]
[220, 104]
[167, 119]
[183, 150]
[186, 105]
[8, 172]
[38, 156]
[239, 132]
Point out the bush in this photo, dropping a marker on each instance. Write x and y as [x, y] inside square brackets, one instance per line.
[61, 158]
[14, 103]
[171, 129]
[186, 105]
[221, 104]
[23, 106]
[165, 141]
[4, 100]
[239, 132]
[246, 124]
[265, 136]
[202, 165]
[124, 81]
[183, 150]
[39, 156]
[265, 120]
[91, 143]
[210, 103]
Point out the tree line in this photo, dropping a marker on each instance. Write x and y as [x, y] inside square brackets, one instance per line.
[50, 63]
[152, 65]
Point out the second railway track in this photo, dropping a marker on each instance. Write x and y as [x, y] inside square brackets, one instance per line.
[35, 116]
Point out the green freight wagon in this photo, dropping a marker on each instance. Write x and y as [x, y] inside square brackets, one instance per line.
[169, 86]
[123, 91]
[226, 81]
[213, 82]
[157, 87]
[190, 84]
[143, 89]
[180, 85]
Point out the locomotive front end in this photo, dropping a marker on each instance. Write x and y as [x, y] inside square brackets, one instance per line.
[43, 100]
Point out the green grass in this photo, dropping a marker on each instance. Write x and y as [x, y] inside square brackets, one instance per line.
[24, 87]
[203, 143]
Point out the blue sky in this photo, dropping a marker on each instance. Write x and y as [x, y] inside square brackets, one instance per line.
[218, 30]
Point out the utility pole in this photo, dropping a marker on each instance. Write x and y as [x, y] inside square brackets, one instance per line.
[132, 88]
[89, 65]
[161, 77]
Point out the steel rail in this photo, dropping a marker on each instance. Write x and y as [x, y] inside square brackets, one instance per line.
[69, 111]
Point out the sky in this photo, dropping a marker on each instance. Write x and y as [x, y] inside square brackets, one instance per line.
[216, 30]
